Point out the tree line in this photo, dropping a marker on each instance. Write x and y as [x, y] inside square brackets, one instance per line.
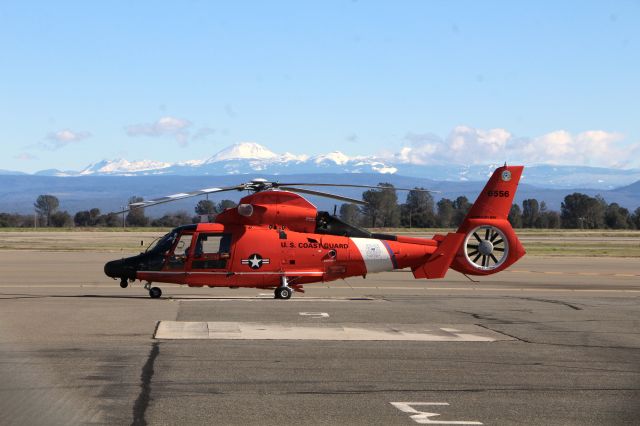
[578, 211]
[48, 214]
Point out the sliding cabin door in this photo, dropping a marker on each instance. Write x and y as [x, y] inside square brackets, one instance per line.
[210, 260]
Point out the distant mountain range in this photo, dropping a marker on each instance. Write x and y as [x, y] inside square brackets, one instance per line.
[108, 184]
[110, 193]
[256, 160]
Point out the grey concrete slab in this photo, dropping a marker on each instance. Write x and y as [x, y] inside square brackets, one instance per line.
[225, 330]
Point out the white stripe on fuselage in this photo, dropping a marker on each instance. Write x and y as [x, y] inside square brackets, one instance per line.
[374, 253]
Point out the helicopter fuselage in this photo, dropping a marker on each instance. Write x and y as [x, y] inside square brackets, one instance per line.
[278, 239]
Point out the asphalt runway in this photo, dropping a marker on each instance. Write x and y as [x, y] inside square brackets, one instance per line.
[553, 341]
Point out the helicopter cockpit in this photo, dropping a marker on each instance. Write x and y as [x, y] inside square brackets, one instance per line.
[153, 259]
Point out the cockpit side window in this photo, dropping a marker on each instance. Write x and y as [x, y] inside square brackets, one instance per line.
[176, 259]
[182, 247]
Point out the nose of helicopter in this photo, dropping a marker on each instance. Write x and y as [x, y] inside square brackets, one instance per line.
[117, 269]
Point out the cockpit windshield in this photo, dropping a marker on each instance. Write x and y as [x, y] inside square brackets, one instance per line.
[162, 244]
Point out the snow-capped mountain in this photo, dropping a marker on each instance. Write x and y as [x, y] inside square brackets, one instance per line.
[243, 151]
[241, 158]
[123, 167]
[109, 183]
[249, 158]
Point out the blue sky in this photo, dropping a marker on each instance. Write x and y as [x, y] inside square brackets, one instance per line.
[421, 81]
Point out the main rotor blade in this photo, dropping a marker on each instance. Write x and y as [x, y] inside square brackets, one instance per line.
[324, 194]
[179, 196]
[347, 185]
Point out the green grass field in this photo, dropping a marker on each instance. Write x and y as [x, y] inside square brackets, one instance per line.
[538, 242]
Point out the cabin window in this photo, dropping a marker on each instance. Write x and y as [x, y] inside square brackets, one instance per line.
[213, 243]
[212, 251]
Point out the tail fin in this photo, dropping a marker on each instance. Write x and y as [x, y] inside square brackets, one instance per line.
[485, 242]
[495, 200]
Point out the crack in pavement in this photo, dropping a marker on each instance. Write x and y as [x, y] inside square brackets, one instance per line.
[535, 299]
[568, 345]
[142, 402]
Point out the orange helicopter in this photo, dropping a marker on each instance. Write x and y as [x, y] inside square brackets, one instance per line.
[276, 239]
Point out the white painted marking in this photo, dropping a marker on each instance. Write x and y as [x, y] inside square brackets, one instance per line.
[374, 253]
[424, 417]
[359, 332]
[315, 314]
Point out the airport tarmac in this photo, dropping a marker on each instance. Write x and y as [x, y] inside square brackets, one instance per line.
[551, 341]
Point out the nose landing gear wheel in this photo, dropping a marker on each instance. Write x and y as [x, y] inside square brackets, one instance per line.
[124, 283]
[283, 293]
[155, 292]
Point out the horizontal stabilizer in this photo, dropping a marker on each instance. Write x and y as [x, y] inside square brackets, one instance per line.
[438, 263]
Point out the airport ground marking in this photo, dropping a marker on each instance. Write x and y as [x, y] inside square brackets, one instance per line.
[315, 314]
[424, 417]
[190, 330]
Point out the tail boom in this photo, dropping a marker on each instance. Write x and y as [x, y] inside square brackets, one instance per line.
[485, 242]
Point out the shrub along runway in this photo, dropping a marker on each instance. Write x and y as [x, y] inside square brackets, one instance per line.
[562, 347]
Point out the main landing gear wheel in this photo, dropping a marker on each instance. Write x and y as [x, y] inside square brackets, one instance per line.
[155, 292]
[283, 293]
[486, 248]
[124, 283]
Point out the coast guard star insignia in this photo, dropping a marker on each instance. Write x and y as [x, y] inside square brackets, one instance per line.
[255, 261]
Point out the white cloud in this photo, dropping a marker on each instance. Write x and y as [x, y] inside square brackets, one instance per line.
[64, 137]
[468, 145]
[590, 148]
[165, 126]
[25, 156]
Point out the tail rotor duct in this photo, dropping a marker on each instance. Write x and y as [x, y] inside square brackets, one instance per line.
[486, 248]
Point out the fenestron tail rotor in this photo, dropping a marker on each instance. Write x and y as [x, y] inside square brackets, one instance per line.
[486, 247]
